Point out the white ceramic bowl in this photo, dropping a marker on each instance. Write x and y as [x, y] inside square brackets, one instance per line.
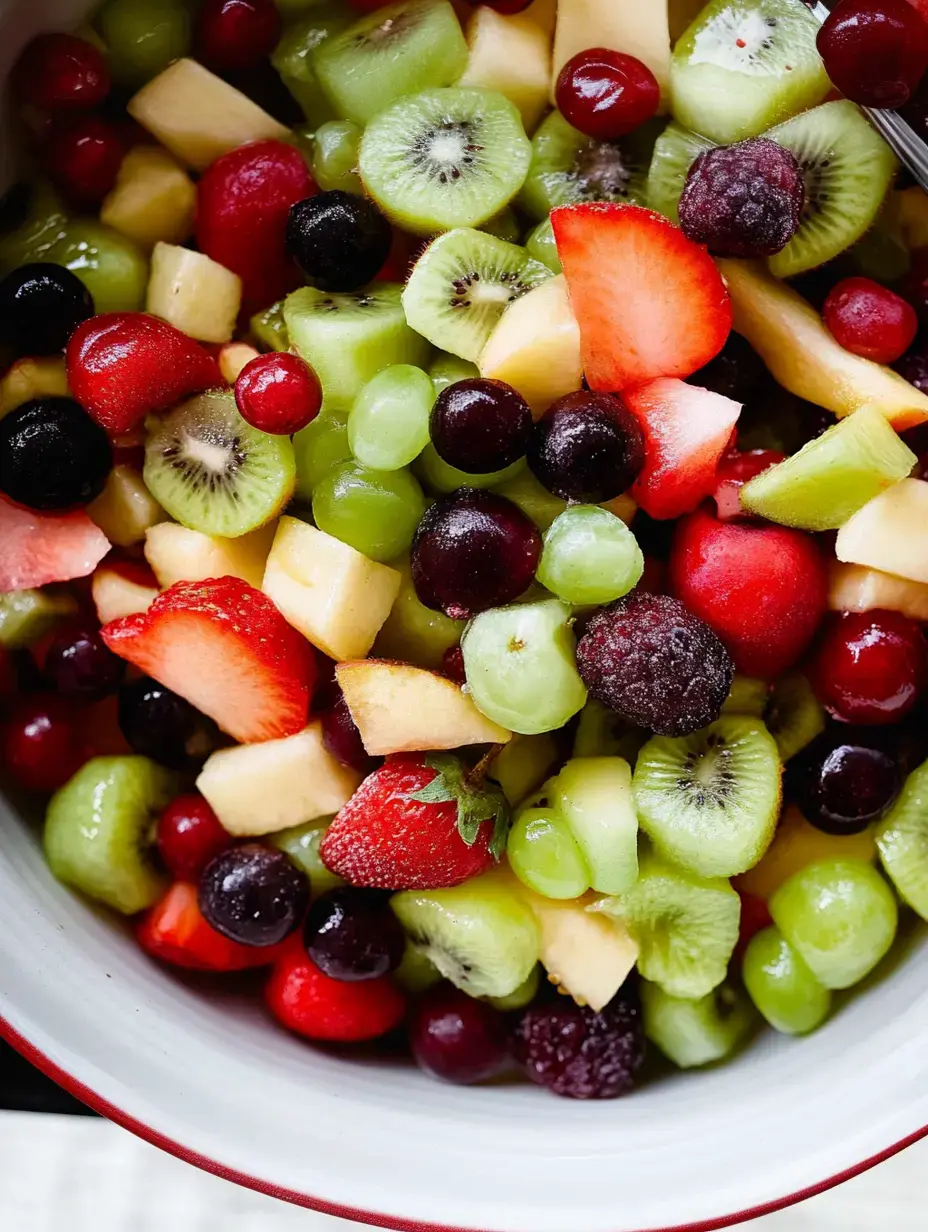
[200, 1071]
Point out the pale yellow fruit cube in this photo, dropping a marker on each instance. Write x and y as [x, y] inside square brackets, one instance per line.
[888, 533]
[511, 55]
[125, 510]
[32, 378]
[178, 554]
[638, 28]
[233, 357]
[193, 293]
[154, 198]
[115, 595]
[796, 844]
[856, 588]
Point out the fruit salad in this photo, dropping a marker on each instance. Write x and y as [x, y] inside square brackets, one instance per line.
[463, 487]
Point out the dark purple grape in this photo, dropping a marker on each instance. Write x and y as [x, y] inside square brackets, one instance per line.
[456, 1038]
[480, 426]
[351, 934]
[338, 239]
[54, 455]
[845, 779]
[737, 372]
[41, 305]
[342, 738]
[586, 447]
[473, 550]
[80, 664]
[253, 895]
[164, 726]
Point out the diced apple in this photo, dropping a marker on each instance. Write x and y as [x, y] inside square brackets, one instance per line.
[32, 378]
[535, 347]
[233, 358]
[116, 595]
[544, 14]
[855, 588]
[262, 788]
[511, 55]
[404, 709]
[334, 595]
[178, 554]
[801, 354]
[154, 198]
[796, 844]
[641, 30]
[193, 293]
[524, 764]
[198, 116]
[889, 532]
[125, 510]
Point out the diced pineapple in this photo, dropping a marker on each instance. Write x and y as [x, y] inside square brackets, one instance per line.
[178, 554]
[682, 15]
[198, 116]
[855, 588]
[889, 532]
[115, 595]
[154, 198]
[544, 14]
[640, 29]
[32, 378]
[232, 359]
[511, 55]
[193, 293]
[335, 596]
[796, 844]
[125, 510]
[524, 764]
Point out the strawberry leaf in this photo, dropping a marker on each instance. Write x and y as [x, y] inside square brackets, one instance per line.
[476, 803]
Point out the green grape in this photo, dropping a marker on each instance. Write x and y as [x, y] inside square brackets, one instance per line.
[301, 843]
[524, 995]
[504, 226]
[448, 369]
[293, 8]
[335, 157]
[589, 556]
[416, 971]
[521, 667]
[376, 512]
[544, 855]
[44, 226]
[437, 475]
[782, 986]
[293, 57]
[540, 245]
[535, 502]
[412, 632]
[388, 425]
[840, 915]
[142, 37]
[317, 448]
[111, 267]
[269, 328]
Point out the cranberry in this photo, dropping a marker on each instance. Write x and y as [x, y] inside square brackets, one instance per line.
[278, 393]
[870, 320]
[875, 51]
[351, 934]
[845, 779]
[456, 1037]
[870, 667]
[59, 72]
[83, 154]
[79, 663]
[586, 447]
[233, 35]
[342, 738]
[39, 743]
[480, 426]
[452, 664]
[189, 836]
[606, 94]
[734, 471]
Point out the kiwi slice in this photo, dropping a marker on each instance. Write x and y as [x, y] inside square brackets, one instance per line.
[390, 53]
[697, 1032]
[902, 841]
[416, 972]
[747, 696]
[794, 715]
[686, 926]
[541, 244]
[504, 225]
[445, 158]
[268, 328]
[301, 843]
[213, 472]
[744, 65]
[601, 733]
[293, 58]
[27, 615]
[460, 286]
[711, 800]
[480, 935]
[524, 995]
[848, 169]
[349, 337]
[100, 826]
[675, 151]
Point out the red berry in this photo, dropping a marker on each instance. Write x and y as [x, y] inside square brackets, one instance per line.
[754, 917]
[175, 931]
[189, 835]
[606, 94]
[313, 1004]
[83, 154]
[40, 746]
[278, 393]
[506, 7]
[875, 51]
[456, 1037]
[233, 35]
[59, 72]
[9, 681]
[735, 469]
[342, 738]
[452, 664]
[870, 320]
[870, 667]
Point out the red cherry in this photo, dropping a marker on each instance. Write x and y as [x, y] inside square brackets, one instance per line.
[342, 738]
[189, 835]
[452, 664]
[875, 51]
[40, 745]
[59, 72]
[278, 393]
[9, 681]
[83, 154]
[233, 35]
[870, 320]
[606, 94]
[735, 469]
[870, 667]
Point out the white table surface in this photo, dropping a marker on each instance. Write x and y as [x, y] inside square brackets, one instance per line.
[74, 1174]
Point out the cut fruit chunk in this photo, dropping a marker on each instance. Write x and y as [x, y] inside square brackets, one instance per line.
[174, 930]
[262, 788]
[796, 844]
[535, 346]
[782, 986]
[855, 588]
[692, 1033]
[747, 696]
[33, 378]
[224, 647]
[686, 926]
[902, 841]
[888, 533]
[832, 476]
[337, 598]
[524, 763]
[601, 733]
[269, 329]
[154, 198]
[178, 554]
[403, 709]
[198, 116]
[293, 57]
[125, 510]
[803, 357]
[675, 151]
[594, 796]
[193, 293]
[511, 55]
[412, 632]
[39, 548]
[794, 716]
[302, 843]
[636, 29]
[711, 801]
[116, 595]
[744, 65]
[233, 357]
[98, 828]
[27, 615]
[649, 302]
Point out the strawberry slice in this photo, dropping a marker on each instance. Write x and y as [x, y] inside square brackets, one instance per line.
[175, 931]
[649, 302]
[38, 548]
[686, 431]
[226, 648]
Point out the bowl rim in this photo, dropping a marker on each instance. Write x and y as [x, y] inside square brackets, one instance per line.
[77, 1088]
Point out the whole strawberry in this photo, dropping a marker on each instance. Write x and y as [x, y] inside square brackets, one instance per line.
[417, 824]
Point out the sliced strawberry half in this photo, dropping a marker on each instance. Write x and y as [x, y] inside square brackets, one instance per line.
[175, 931]
[226, 648]
[649, 302]
[37, 548]
[686, 431]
